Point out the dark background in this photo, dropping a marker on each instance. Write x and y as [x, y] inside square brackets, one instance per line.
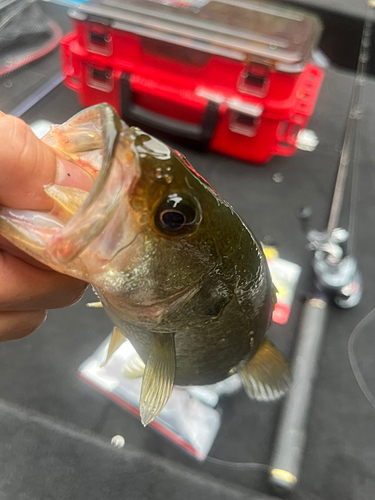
[61, 451]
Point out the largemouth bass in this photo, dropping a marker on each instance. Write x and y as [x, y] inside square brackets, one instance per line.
[175, 268]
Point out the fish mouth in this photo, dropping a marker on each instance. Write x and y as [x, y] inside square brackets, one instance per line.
[118, 172]
[124, 247]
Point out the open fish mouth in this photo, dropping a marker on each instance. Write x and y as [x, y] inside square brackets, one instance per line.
[115, 177]
[101, 144]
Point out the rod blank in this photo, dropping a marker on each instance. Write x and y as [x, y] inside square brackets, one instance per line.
[291, 436]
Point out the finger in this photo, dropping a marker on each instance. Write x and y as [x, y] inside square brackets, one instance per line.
[19, 324]
[25, 287]
[27, 165]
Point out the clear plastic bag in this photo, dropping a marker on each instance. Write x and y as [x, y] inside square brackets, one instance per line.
[189, 419]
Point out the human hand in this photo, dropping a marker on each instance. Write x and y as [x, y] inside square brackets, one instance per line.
[28, 288]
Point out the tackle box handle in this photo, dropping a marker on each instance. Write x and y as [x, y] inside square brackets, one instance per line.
[172, 126]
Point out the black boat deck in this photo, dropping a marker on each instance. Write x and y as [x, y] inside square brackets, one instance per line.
[63, 453]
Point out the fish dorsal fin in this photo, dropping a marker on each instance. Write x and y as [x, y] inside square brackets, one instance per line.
[266, 376]
[117, 339]
[158, 378]
[134, 366]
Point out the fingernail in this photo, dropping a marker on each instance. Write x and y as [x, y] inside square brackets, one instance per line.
[69, 174]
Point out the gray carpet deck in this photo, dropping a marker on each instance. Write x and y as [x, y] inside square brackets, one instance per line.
[39, 373]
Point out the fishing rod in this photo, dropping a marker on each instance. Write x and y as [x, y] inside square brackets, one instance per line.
[336, 279]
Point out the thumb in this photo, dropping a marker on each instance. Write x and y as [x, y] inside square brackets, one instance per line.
[27, 165]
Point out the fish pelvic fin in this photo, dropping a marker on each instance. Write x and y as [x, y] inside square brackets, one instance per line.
[267, 376]
[117, 339]
[158, 378]
[134, 367]
[95, 305]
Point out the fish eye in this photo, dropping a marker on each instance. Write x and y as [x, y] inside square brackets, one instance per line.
[176, 215]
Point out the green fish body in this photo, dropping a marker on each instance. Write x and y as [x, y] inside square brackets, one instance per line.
[176, 269]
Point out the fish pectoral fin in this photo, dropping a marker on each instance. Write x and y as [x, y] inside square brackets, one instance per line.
[117, 339]
[266, 376]
[67, 199]
[158, 378]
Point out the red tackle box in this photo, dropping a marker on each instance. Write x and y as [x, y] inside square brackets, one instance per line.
[234, 75]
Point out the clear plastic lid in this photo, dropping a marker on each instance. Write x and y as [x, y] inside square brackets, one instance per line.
[236, 29]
